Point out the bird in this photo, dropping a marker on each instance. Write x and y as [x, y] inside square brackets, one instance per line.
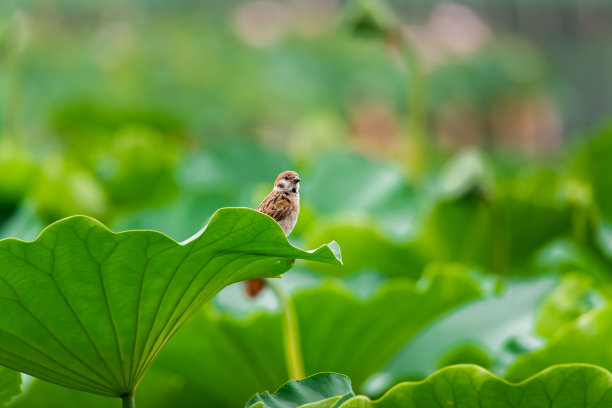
[283, 205]
[283, 202]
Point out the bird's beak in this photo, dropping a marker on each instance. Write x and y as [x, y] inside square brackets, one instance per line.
[297, 179]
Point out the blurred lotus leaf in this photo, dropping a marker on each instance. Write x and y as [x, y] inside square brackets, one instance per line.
[353, 187]
[468, 172]
[591, 164]
[236, 174]
[458, 231]
[502, 232]
[65, 187]
[567, 386]
[369, 17]
[137, 167]
[23, 223]
[90, 309]
[97, 121]
[565, 256]
[328, 333]
[490, 323]
[366, 247]
[18, 175]
[572, 298]
[226, 167]
[604, 238]
[586, 340]
[466, 354]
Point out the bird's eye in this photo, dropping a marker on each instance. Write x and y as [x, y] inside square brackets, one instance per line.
[286, 177]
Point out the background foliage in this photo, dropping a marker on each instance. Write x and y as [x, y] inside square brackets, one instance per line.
[457, 152]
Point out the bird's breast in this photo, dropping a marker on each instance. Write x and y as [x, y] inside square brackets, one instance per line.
[289, 221]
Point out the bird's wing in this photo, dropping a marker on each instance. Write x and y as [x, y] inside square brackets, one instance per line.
[276, 205]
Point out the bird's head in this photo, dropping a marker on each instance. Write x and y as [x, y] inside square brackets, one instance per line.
[287, 182]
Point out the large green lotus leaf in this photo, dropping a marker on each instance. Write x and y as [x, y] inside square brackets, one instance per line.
[465, 386]
[90, 309]
[10, 384]
[338, 332]
[587, 340]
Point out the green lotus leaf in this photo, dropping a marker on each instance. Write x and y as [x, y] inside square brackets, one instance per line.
[330, 388]
[383, 188]
[90, 309]
[587, 340]
[467, 353]
[572, 298]
[500, 233]
[369, 17]
[591, 188]
[465, 386]
[360, 241]
[212, 347]
[486, 325]
[10, 384]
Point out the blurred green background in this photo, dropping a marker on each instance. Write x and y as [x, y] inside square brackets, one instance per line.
[459, 153]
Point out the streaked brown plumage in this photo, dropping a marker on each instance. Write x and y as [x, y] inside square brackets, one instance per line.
[283, 205]
[283, 202]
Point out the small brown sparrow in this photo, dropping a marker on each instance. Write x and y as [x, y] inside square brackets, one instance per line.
[283, 202]
[283, 205]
